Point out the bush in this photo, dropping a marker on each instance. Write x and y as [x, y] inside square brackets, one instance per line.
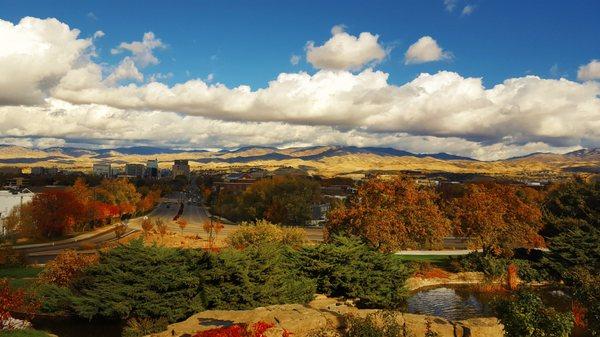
[251, 278]
[526, 316]
[349, 268]
[262, 232]
[379, 324]
[138, 281]
[584, 286]
[55, 299]
[67, 267]
[10, 257]
[495, 267]
[138, 327]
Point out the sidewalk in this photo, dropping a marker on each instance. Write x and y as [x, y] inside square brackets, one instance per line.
[82, 237]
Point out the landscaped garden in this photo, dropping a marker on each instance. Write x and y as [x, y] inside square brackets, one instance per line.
[137, 288]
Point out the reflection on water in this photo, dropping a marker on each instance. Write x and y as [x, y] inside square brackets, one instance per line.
[462, 302]
[450, 303]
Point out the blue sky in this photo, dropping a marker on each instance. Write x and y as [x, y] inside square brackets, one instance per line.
[481, 78]
[250, 42]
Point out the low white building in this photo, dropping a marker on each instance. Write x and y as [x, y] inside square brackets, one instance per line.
[10, 199]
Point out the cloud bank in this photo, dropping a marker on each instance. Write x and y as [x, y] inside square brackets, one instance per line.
[66, 97]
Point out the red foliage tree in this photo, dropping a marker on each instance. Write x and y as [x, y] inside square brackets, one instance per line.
[498, 217]
[56, 212]
[14, 300]
[391, 214]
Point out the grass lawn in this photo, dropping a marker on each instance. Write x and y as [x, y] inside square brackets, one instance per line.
[437, 260]
[19, 272]
[23, 333]
[20, 277]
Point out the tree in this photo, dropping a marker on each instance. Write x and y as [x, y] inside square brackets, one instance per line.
[182, 223]
[573, 203]
[390, 215]
[67, 267]
[147, 225]
[161, 226]
[84, 195]
[285, 200]
[212, 229]
[56, 212]
[120, 230]
[498, 218]
[118, 192]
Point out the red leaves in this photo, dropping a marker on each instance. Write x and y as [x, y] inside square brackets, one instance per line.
[392, 214]
[14, 300]
[498, 217]
[56, 212]
[257, 329]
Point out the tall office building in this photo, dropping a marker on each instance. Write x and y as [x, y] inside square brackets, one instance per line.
[181, 168]
[152, 168]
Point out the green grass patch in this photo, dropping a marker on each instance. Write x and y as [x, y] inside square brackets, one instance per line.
[437, 260]
[20, 283]
[23, 333]
[19, 272]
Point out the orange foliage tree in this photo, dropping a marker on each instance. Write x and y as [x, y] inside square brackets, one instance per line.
[67, 267]
[391, 214]
[498, 218]
[56, 212]
[119, 192]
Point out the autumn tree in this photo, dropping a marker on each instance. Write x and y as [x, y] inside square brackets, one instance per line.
[285, 200]
[84, 195]
[182, 223]
[120, 230]
[120, 193]
[498, 218]
[391, 215]
[161, 226]
[147, 225]
[67, 267]
[56, 212]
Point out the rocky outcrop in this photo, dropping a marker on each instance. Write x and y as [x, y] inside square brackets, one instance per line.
[326, 313]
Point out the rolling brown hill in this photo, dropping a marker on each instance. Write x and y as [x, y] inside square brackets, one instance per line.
[327, 160]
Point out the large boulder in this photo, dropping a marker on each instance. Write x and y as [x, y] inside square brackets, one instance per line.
[326, 313]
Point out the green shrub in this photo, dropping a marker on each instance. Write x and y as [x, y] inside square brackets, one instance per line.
[526, 316]
[495, 267]
[138, 327]
[254, 277]
[139, 281]
[54, 298]
[378, 324]
[262, 232]
[584, 286]
[346, 267]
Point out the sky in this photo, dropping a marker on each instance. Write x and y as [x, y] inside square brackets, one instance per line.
[486, 79]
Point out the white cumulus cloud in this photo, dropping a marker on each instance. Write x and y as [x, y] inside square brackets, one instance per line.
[345, 52]
[142, 51]
[590, 71]
[35, 55]
[426, 49]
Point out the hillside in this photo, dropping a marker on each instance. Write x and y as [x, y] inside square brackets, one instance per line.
[327, 160]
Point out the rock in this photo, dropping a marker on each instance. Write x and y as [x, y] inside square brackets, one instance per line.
[14, 324]
[326, 313]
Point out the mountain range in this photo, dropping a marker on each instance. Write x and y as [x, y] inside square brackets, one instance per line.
[323, 159]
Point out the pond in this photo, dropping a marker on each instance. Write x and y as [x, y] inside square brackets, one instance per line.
[463, 302]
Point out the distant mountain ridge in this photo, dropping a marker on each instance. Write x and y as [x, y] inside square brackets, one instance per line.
[329, 158]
